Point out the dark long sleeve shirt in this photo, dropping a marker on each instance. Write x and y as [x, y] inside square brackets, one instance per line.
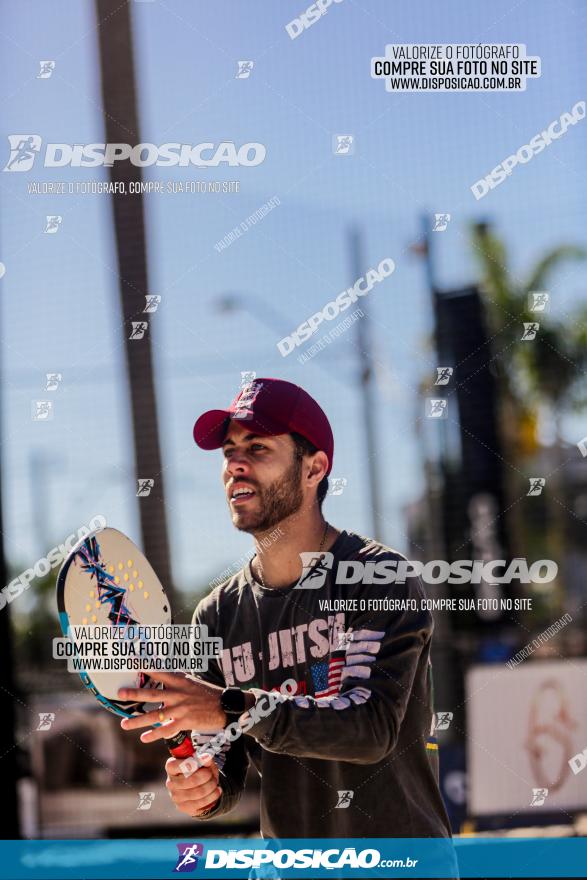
[350, 753]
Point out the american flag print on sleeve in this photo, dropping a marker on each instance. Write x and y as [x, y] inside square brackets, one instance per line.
[326, 675]
[354, 661]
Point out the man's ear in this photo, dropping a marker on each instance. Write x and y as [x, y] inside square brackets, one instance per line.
[318, 468]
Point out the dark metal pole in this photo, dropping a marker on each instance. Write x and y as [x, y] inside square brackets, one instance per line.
[122, 126]
[428, 251]
[443, 652]
[366, 386]
[429, 266]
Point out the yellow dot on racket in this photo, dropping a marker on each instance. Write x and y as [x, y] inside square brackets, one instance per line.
[97, 605]
[145, 595]
[84, 621]
[129, 563]
[135, 573]
[125, 575]
[116, 580]
[110, 569]
[92, 594]
[120, 566]
[94, 618]
[131, 587]
[88, 607]
[141, 585]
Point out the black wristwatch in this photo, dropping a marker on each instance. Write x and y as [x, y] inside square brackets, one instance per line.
[232, 701]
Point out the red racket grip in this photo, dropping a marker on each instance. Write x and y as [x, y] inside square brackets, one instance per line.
[180, 745]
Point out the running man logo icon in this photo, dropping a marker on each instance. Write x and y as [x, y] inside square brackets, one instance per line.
[442, 720]
[146, 799]
[441, 222]
[537, 484]
[47, 68]
[189, 853]
[244, 69]
[23, 151]
[145, 487]
[139, 328]
[42, 410]
[443, 375]
[539, 795]
[344, 640]
[316, 566]
[46, 719]
[337, 485]
[53, 222]
[530, 331]
[247, 377]
[344, 800]
[152, 301]
[53, 380]
[538, 301]
[436, 408]
[343, 144]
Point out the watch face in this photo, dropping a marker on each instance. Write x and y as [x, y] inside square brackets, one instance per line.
[233, 701]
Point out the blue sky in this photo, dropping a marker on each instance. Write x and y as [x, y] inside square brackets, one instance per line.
[415, 153]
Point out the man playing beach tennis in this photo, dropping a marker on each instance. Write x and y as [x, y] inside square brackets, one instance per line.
[325, 662]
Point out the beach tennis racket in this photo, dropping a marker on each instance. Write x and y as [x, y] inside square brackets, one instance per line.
[107, 581]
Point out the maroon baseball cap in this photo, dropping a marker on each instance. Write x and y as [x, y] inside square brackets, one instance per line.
[269, 406]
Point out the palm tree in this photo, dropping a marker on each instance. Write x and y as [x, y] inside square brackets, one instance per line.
[543, 376]
[548, 372]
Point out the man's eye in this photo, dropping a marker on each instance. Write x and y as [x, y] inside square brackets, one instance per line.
[257, 446]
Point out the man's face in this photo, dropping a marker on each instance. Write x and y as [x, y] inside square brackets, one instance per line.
[262, 478]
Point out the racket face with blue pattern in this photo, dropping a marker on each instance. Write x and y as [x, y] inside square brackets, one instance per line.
[107, 581]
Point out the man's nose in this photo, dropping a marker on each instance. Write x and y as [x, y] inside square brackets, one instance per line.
[237, 464]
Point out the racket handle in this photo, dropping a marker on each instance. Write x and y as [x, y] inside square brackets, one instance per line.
[180, 745]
